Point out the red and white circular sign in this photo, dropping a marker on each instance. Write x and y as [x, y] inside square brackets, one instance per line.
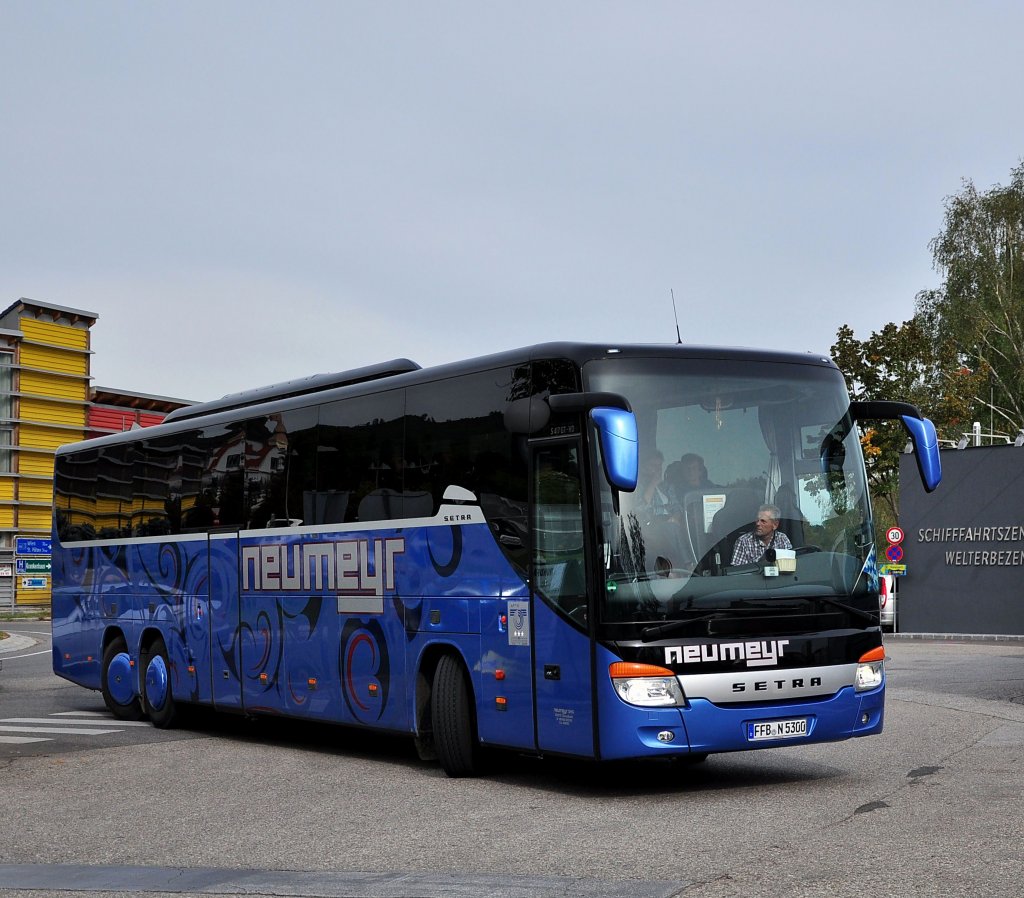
[894, 535]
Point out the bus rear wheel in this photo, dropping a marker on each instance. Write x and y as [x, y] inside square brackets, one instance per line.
[116, 682]
[157, 696]
[452, 719]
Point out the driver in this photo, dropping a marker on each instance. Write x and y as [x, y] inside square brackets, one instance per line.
[750, 547]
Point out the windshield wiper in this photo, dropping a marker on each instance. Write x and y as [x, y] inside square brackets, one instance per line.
[835, 603]
[649, 634]
[656, 632]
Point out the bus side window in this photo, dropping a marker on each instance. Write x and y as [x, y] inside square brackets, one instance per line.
[558, 527]
[359, 459]
[280, 468]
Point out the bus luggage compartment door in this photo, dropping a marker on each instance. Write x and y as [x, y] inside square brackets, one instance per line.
[225, 621]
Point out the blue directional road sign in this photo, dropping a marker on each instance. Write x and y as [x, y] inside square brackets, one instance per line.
[25, 545]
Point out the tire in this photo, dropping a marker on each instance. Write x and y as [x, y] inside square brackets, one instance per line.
[452, 719]
[157, 695]
[117, 682]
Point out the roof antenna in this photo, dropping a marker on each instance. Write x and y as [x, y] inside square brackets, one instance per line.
[679, 338]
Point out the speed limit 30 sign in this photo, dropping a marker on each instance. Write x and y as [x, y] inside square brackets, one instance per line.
[894, 535]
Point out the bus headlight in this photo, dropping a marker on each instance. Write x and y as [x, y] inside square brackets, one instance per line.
[870, 670]
[646, 685]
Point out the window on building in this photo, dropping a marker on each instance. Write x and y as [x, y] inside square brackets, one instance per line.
[6, 387]
[5, 448]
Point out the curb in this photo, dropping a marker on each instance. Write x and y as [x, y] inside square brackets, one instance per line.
[952, 637]
[15, 643]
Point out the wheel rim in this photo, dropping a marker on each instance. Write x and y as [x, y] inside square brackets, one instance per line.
[119, 679]
[156, 682]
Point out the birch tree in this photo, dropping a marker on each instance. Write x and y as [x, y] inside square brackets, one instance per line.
[977, 314]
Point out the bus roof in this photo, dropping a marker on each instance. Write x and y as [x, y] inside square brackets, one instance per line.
[404, 372]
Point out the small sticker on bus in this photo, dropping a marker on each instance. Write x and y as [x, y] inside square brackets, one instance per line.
[518, 623]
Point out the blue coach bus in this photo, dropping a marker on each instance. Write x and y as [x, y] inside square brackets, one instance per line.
[502, 552]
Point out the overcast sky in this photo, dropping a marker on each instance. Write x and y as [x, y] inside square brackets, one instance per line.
[250, 192]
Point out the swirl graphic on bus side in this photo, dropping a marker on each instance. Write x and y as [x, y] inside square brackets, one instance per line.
[446, 569]
[364, 669]
[409, 612]
[267, 644]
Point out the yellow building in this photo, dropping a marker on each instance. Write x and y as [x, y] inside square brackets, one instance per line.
[46, 401]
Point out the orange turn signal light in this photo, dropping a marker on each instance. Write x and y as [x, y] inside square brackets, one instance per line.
[622, 669]
[874, 655]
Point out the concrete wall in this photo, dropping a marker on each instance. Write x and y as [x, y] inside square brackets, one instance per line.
[964, 544]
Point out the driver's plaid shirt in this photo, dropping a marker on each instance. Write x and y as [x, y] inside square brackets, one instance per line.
[750, 550]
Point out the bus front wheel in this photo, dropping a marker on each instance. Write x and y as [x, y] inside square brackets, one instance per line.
[451, 709]
[157, 696]
[116, 682]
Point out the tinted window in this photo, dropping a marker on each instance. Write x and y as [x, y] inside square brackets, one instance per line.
[457, 436]
[75, 482]
[360, 464]
[114, 492]
[280, 469]
[211, 475]
[153, 463]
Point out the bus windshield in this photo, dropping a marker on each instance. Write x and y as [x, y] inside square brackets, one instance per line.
[752, 490]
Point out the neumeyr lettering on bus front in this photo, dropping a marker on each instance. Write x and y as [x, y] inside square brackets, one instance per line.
[756, 654]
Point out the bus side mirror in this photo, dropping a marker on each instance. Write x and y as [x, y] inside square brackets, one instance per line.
[617, 434]
[921, 430]
[926, 450]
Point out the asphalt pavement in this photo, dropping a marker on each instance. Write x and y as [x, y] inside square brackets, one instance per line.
[931, 807]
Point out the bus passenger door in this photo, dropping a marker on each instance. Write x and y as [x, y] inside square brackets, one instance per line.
[561, 611]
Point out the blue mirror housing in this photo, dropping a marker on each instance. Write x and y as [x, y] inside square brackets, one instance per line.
[617, 433]
[926, 449]
[921, 430]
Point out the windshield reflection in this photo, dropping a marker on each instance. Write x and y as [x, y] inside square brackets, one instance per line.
[751, 488]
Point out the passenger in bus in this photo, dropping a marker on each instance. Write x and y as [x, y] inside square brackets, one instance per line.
[750, 547]
[657, 518]
[688, 475]
[687, 484]
[651, 492]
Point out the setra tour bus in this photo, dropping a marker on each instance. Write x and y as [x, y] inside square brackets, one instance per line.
[546, 550]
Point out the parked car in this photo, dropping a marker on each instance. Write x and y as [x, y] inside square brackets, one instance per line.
[887, 601]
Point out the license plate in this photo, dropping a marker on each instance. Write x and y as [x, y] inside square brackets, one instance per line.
[777, 729]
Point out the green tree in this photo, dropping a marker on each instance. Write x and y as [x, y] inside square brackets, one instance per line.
[978, 312]
[900, 362]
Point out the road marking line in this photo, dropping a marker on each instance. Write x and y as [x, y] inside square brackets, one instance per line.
[65, 730]
[97, 716]
[109, 721]
[14, 657]
[21, 740]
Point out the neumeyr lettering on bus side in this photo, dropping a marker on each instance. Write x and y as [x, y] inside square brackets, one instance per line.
[347, 567]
